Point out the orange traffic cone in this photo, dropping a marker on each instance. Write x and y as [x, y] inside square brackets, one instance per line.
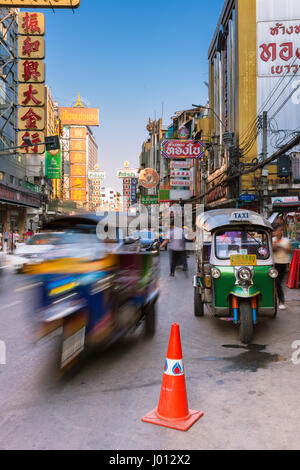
[172, 410]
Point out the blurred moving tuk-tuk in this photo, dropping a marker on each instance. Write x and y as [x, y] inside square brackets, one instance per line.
[93, 291]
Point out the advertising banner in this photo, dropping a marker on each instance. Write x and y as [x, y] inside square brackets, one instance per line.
[53, 164]
[134, 183]
[278, 68]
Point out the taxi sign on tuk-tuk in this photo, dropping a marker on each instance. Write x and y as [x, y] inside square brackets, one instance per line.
[243, 260]
[240, 216]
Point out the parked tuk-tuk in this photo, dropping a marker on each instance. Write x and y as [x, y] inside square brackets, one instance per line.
[93, 291]
[235, 269]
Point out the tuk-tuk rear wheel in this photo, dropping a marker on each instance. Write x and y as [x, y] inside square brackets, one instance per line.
[246, 321]
[150, 320]
[198, 304]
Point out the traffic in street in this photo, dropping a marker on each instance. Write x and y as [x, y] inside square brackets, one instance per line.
[240, 388]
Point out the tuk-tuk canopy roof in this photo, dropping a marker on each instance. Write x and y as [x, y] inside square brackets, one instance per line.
[211, 220]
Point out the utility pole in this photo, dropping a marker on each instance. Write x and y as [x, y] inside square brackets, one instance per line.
[265, 136]
[264, 172]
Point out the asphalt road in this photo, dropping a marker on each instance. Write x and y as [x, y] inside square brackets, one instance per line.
[249, 395]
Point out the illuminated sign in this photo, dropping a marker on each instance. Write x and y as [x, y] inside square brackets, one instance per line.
[40, 3]
[79, 116]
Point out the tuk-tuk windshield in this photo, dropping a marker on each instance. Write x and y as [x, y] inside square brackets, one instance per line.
[242, 243]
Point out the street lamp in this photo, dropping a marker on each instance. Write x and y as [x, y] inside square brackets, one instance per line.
[211, 109]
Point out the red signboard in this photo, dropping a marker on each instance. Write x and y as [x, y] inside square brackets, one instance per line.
[19, 197]
[182, 148]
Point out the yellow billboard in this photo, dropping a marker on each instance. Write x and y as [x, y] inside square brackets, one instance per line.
[79, 116]
[77, 157]
[40, 3]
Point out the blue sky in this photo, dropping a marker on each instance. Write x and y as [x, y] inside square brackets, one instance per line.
[127, 58]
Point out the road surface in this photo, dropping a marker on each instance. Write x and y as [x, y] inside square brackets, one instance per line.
[249, 395]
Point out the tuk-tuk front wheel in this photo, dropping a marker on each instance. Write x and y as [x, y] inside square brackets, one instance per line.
[198, 303]
[246, 321]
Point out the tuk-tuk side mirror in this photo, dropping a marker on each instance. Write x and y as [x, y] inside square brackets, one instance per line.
[129, 240]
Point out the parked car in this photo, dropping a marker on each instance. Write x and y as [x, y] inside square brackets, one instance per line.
[34, 249]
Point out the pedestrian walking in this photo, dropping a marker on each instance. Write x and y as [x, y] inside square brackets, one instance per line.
[282, 249]
[176, 245]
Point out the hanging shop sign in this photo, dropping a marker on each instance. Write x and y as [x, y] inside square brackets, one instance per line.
[31, 119]
[31, 95]
[53, 164]
[79, 116]
[248, 197]
[179, 182]
[31, 24]
[149, 178]
[40, 3]
[31, 76]
[284, 199]
[180, 173]
[31, 47]
[164, 195]
[174, 164]
[183, 133]
[147, 200]
[97, 175]
[37, 139]
[134, 183]
[182, 149]
[127, 173]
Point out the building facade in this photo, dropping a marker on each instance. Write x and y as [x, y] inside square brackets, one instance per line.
[254, 68]
[17, 193]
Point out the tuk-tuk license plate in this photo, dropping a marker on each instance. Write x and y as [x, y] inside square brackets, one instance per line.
[72, 347]
[243, 260]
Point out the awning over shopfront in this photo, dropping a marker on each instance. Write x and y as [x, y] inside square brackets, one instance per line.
[19, 198]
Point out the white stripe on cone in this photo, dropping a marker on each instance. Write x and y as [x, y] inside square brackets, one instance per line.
[174, 367]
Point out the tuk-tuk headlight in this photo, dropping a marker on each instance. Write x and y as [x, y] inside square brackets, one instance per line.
[273, 273]
[244, 274]
[216, 273]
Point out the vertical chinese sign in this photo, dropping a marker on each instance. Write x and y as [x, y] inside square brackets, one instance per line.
[31, 77]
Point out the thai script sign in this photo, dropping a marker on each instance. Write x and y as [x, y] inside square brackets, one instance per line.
[175, 164]
[182, 149]
[79, 116]
[278, 48]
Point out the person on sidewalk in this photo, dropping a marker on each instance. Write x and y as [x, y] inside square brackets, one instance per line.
[282, 249]
[176, 245]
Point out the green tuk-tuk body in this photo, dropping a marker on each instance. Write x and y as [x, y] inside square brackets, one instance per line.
[235, 268]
